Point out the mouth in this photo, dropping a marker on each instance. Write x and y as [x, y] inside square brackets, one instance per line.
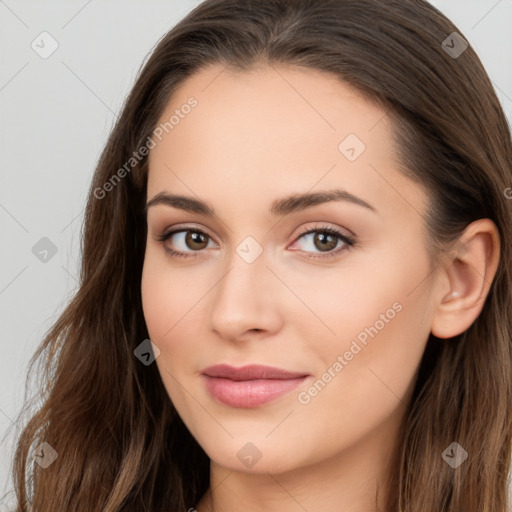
[249, 386]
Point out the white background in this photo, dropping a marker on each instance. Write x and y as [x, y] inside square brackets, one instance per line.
[55, 116]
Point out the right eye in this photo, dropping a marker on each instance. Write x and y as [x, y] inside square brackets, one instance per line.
[189, 242]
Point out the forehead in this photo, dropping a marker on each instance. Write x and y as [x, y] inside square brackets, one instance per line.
[273, 130]
[288, 100]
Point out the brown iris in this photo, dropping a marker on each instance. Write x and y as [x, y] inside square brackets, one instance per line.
[325, 241]
[195, 240]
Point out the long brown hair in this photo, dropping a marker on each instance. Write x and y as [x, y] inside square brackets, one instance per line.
[121, 444]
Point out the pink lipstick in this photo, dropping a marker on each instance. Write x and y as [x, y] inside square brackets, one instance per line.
[251, 385]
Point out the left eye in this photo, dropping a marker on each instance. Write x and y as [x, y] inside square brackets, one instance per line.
[323, 240]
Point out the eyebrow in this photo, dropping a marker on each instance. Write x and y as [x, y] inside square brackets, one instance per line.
[279, 208]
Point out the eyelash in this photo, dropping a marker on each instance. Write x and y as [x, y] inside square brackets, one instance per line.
[347, 240]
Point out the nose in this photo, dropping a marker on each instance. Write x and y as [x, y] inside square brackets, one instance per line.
[246, 300]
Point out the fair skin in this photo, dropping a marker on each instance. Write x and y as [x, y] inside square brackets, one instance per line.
[254, 138]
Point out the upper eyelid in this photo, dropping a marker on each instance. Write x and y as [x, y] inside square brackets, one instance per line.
[306, 231]
[175, 231]
[188, 227]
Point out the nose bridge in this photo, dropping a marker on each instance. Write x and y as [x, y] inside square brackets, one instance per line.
[247, 264]
[243, 299]
[244, 282]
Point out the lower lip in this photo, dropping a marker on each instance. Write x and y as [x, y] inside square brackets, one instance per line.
[249, 393]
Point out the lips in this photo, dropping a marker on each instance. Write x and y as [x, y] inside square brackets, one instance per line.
[250, 372]
[249, 386]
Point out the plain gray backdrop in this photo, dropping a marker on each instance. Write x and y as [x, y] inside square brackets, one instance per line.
[56, 112]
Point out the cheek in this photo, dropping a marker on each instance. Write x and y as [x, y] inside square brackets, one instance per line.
[167, 296]
[375, 315]
[157, 300]
[173, 302]
[166, 302]
[365, 373]
[367, 290]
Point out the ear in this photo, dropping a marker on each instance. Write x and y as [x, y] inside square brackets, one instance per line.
[466, 279]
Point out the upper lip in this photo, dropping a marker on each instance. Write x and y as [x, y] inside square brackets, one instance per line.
[250, 372]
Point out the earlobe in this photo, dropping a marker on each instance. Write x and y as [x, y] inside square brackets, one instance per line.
[469, 273]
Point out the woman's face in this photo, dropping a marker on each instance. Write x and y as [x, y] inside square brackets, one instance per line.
[348, 314]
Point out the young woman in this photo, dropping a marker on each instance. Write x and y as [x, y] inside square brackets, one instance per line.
[296, 274]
